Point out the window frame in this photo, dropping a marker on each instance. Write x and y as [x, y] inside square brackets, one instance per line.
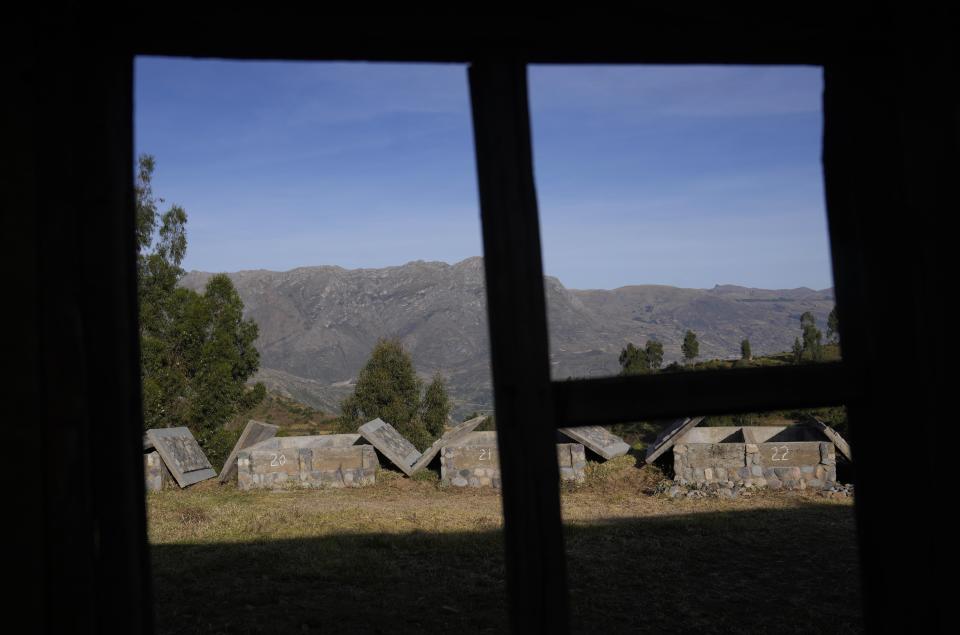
[890, 147]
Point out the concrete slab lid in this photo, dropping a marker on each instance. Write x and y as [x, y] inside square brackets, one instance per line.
[450, 436]
[599, 440]
[391, 444]
[182, 455]
[838, 441]
[669, 436]
[313, 442]
[253, 433]
[480, 439]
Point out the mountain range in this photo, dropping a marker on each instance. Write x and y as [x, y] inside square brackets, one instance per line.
[319, 324]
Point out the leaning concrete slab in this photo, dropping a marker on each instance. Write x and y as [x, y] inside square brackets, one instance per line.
[669, 436]
[831, 434]
[599, 440]
[449, 438]
[181, 454]
[255, 432]
[391, 444]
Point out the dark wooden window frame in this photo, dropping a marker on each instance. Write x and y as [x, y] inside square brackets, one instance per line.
[890, 148]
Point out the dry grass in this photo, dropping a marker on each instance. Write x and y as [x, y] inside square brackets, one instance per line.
[409, 555]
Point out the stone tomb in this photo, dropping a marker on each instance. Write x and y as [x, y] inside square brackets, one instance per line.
[179, 453]
[474, 461]
[332, 460]
[253, 433]
[793, 457]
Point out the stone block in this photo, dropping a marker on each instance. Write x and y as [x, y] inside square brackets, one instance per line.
[701, 455]
[154, 472]
[828, 454]
[784, 473]
[789, 454]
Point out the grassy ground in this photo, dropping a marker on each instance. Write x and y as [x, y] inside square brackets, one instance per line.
[410, 556]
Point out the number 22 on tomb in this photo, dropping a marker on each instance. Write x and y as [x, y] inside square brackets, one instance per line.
[783, 457]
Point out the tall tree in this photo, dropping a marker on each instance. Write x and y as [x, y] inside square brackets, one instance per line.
[633, 360]
[745, 353]
[197, 351]
[833, 326]
[435, 407]
[690, 347]
[797, 350]
[654, 353]
[812, 337]
[387, 388]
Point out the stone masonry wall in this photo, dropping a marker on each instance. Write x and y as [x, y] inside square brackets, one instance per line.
[278, 467]
[154, 471]
[479, 465]
[791, 465]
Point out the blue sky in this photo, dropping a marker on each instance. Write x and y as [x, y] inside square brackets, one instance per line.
[687, 176]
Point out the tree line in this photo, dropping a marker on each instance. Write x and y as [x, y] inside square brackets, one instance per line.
[809, 346]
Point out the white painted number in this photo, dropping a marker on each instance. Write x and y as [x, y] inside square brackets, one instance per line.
[485, 454]
[783, 457]
[278, 460]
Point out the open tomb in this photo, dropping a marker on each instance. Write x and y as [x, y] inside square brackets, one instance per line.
[794, 457]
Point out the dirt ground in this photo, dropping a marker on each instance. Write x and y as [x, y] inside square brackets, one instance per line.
[409, 555]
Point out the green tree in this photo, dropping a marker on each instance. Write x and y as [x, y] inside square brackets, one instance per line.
[435, 407]
[797, 350]
[812, 337]
[654, 354]
[690, 347]
[197, 351]
[833, 326]
[745, 352]
[633, 360]
[387, 388]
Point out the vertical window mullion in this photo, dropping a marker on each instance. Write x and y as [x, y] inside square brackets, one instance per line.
[535, 559]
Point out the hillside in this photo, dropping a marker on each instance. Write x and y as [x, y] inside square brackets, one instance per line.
[318, 324]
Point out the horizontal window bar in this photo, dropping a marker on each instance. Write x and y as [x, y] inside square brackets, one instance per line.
[582, 402]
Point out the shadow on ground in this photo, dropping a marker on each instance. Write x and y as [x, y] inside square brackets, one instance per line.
[788, 570]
